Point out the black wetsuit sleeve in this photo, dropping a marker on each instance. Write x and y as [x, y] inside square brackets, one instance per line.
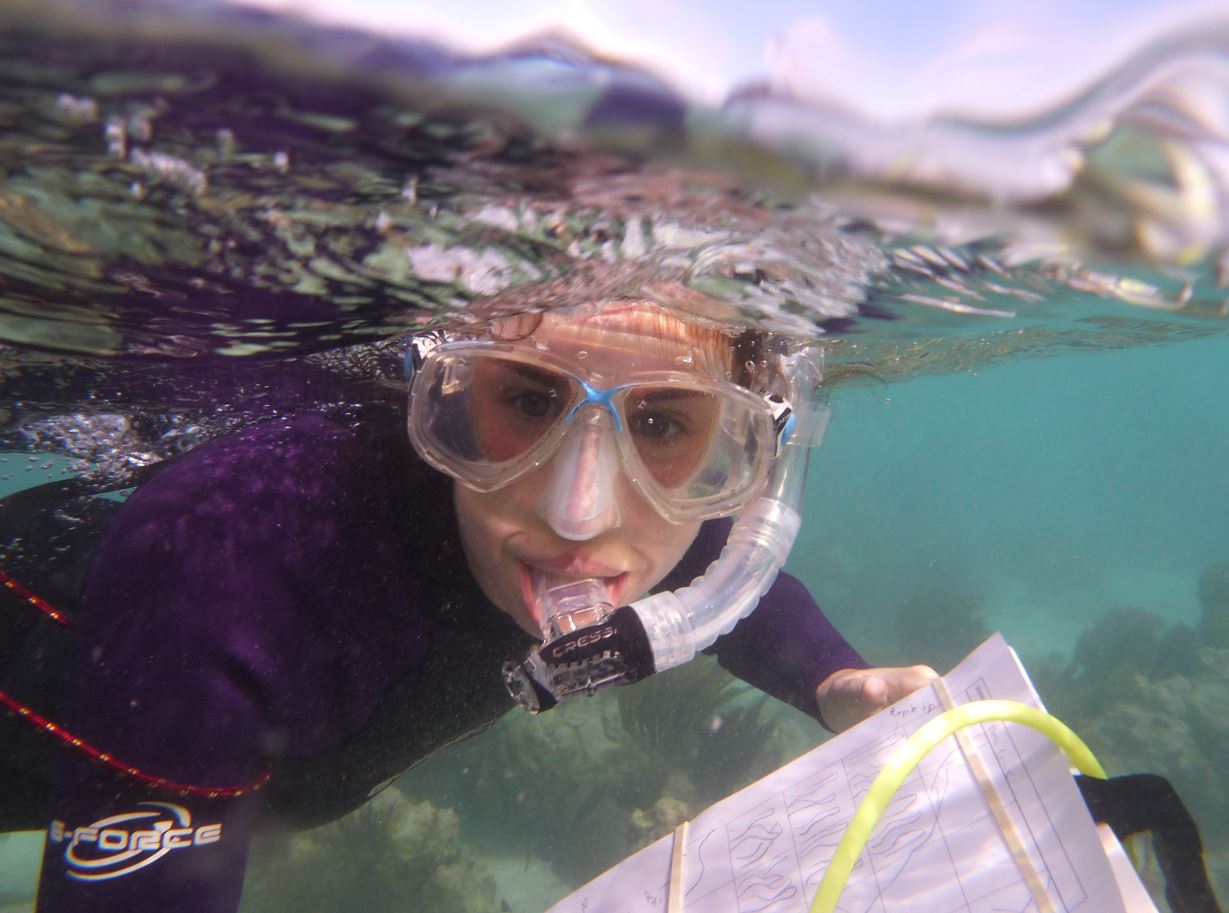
[208, 650]
[115, 848]
[159, 692]
[168, 681]
[786, 647]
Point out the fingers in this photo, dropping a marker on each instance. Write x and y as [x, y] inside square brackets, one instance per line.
[875, 692]
[851, 695]
[917, 677]
[907, 679]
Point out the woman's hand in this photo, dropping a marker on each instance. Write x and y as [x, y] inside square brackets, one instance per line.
[849, 696]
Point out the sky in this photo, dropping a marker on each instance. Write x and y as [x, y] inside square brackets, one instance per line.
[890, 59]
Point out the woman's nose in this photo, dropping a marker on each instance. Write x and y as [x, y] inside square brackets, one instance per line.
[579, 501]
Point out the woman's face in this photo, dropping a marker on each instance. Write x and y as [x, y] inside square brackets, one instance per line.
[511, 543]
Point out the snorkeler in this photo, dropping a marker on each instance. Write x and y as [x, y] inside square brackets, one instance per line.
[282, 621]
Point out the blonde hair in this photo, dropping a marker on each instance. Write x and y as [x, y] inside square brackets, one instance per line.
[720, 350]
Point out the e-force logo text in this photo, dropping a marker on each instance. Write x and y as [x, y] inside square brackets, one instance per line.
[115, 846]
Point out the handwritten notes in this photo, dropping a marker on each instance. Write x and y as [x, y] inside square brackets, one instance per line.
[937, 848]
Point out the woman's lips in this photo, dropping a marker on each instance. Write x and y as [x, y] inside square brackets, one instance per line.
[578, 567]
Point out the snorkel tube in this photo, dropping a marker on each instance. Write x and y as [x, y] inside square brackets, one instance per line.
[667, 629]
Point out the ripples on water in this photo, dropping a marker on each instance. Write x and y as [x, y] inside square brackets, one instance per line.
[186, 202]
[178, 197]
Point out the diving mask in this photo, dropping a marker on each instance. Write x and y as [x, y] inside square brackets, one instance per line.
[488, 412]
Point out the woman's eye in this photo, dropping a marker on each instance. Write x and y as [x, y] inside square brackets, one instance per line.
[533, 405]
[657, 426]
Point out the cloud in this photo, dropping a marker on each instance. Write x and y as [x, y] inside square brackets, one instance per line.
[1006, 60]
[892, 59]
[677, 39]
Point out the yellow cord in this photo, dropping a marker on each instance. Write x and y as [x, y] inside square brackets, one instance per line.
[905, 758]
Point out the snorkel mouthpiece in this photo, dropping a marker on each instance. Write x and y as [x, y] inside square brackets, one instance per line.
[571, 606]
[612, 651]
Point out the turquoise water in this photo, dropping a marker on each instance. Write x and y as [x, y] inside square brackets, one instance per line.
[1049, 490]
[1021, 441]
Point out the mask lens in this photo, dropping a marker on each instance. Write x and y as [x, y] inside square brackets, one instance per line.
[702, 449]
[672, 430]
[694, 449]
[473, 413]
[513, 406]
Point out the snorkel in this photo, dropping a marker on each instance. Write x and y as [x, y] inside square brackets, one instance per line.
[588, 646]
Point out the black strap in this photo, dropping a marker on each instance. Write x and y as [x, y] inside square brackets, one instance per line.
[1135, 803]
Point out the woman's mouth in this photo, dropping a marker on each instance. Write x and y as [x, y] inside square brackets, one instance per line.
[537, 581]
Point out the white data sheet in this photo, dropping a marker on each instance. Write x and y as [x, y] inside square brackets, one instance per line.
[937, 848]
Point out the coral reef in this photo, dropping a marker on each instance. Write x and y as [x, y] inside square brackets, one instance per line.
[938, 627]
[724, 730]
[665, 815]
[1177, 728]
[594, 780]
[1214, 605]
[1149, 698]
[1124, 639]
[391, 855]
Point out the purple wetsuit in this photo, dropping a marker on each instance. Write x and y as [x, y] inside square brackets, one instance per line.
[294, 599]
